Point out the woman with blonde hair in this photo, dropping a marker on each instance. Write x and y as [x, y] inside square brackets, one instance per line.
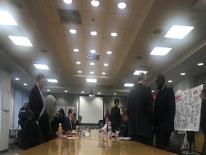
[46, 117]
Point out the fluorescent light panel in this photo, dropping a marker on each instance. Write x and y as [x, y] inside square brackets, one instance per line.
[93, 33]
[95, 3]
[20, 41]
[170, 81]
[182, 74]
[200, 64]
[73, 31]
[41, 66]
[114, 34]
[76, 50]
[52, 80]
[160, 51]
[122, 5]
[91, 80]
[137, 72]
[109, 52]
[129, 85]
[67, 1]
[92, 51]
[17, 78]
[179, 31]
[92, 63]
[7, 19]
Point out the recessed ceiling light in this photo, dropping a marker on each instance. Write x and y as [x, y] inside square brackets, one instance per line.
[137, 72]
[91, 80]
[99, 93]
[78, 62]
[128, 84]
[103, 73]
[106, 64]
[182, 74]
[73, 31]
[17, 79]
[20, 41]
[67, 1]
[153, 91]
[79, 71]
[115, 94]
[7, 19]
[76, 50]
[179, 31]
[66, 91]
[93, 33]
[122, 5]
[161, 51]
[169, 81]
[200, 64]
[48, 90]
[92, 51]
[91, 72]
[82, 92]
[95, 3]
[25, 84]
[92, 63]
[52, 80]
[109, 52]
[41, 66]
[114, 34]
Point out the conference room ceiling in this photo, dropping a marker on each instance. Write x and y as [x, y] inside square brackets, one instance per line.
[141, 26]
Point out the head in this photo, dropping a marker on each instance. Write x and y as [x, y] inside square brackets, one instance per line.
[160, 81]
[50, 106]
[61, 112]
[40, 80]
[71, 113]
[107, 119]
[107, 112]
[203, 95]
[116, 102]
[74, 118]
[141, 78]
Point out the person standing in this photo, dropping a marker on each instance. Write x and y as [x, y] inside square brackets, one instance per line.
[35, 97]
[203, 119]
[164, 113]
[140, 111]
[115, 116]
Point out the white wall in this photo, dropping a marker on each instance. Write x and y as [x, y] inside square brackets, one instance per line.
[5, 85]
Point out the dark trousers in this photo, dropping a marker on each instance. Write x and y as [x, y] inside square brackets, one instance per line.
[163, 138]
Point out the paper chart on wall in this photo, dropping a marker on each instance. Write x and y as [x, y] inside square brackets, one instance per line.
[188, 109]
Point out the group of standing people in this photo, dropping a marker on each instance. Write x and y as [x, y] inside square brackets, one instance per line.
[149, 116]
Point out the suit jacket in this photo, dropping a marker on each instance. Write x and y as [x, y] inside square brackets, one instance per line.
[140, 110]
[203, 117]
[164, 110]
[68, 125]
[35, 102]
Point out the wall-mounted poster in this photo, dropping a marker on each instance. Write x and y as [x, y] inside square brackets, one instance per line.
[188, 109]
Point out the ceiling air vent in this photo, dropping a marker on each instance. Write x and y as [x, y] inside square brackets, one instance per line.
[69, 16]
[93, 57]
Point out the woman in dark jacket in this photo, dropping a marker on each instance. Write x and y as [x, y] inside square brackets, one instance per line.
[115, 116]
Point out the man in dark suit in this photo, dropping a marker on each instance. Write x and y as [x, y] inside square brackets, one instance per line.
[68, 124]
[35, 97]
[164, 113]
[140, 110]
[203, 119]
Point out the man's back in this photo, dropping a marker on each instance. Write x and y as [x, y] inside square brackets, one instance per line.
[140, 109]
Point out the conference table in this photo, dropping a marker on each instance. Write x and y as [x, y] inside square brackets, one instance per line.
[94, 144]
